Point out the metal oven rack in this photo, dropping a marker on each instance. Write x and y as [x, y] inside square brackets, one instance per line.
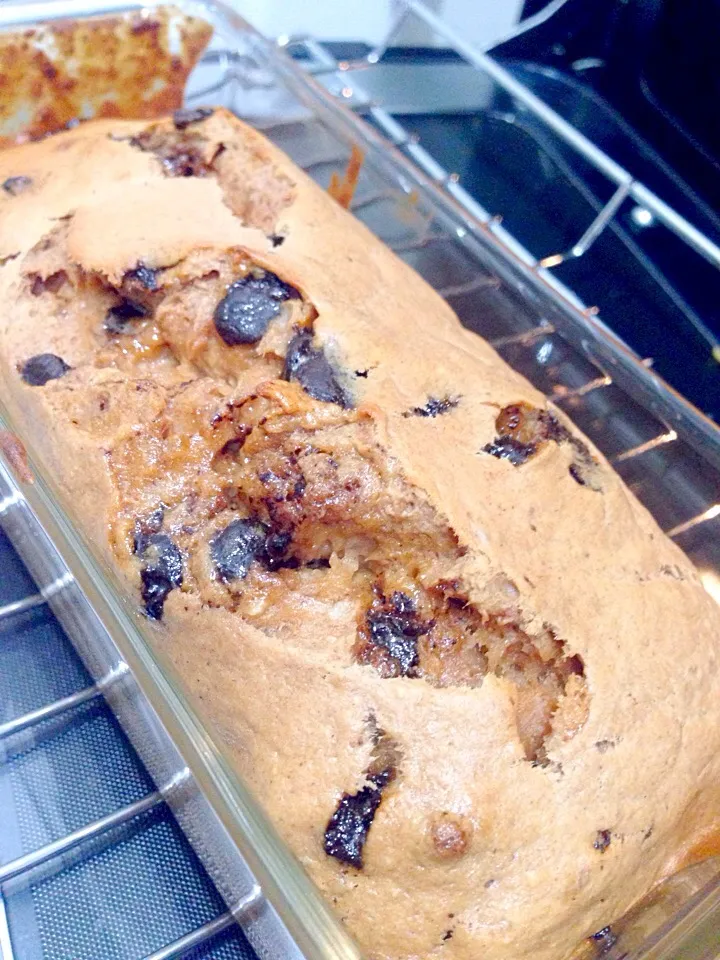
[666, 451]
[65, 764]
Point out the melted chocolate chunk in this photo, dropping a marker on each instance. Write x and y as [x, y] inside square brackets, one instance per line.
[143, 275]
[183, 118]
[162, 570]
[145, 526]
[397, 630]
[522, 429]
[276, 547]
[234, 549]
[602, 840]
[348, 828]
[508, 448]
[38, 370]
[118, 317]
[434, 407]
[309, 366]
[15, 185]
[245, 312]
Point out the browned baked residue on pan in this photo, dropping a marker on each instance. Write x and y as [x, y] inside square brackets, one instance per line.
[12, 447]
[53, 75]
[342, 187]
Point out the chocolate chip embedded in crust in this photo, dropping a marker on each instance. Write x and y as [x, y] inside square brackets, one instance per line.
[145, 276]
[348, 828]
[604, 940]
[245, 312]
[118, 317]
[275, 550]
[309, 366]
[602, 840]
[162, 571]
[393, 629]
[184, 117]
[234, 549]
[38, 370]
[16, 185]
[508, 448]
[433, 407]
[145, 526]
[276, 239]
[450, 836]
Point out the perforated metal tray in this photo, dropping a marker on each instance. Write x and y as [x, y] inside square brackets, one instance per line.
[665, 449]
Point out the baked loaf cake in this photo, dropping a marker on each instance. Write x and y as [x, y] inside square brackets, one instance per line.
[472, 683]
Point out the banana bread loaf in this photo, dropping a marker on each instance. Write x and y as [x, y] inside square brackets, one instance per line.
[471, 681]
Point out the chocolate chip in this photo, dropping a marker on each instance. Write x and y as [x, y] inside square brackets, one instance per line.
[38, 370]
[245, 312]
[508, 448]
[145, 526]
[433, 407]
[362, 373]
[602, 840]
[233, 549]
[276, 546]
[15, 185]
[397, 631]
[348, 828]
[118, 317]
[276, 239]
[605, 940]
[447, 935]
[184, 117]
[162, 570]
[308, 366]
[143, 275]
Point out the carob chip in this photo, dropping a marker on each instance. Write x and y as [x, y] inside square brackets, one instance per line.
[244, 313]
[118, 317]
[15, 185]
[184, 117]
[309, 366]
[145, 276]
[396, 629]
[347, 831]
[38, 370]
[234, 548]
[434, 407]
[162, 570]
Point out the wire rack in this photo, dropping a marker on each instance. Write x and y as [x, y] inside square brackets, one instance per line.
[666, 451]
[41, 750]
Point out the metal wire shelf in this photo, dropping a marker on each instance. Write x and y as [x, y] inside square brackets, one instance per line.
[80, 841]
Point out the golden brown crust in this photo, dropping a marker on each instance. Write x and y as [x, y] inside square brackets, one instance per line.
[470, 640]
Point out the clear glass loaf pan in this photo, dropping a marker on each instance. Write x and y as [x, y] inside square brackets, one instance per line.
[667, 452]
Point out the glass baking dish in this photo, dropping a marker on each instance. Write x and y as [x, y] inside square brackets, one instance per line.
[667, 452]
